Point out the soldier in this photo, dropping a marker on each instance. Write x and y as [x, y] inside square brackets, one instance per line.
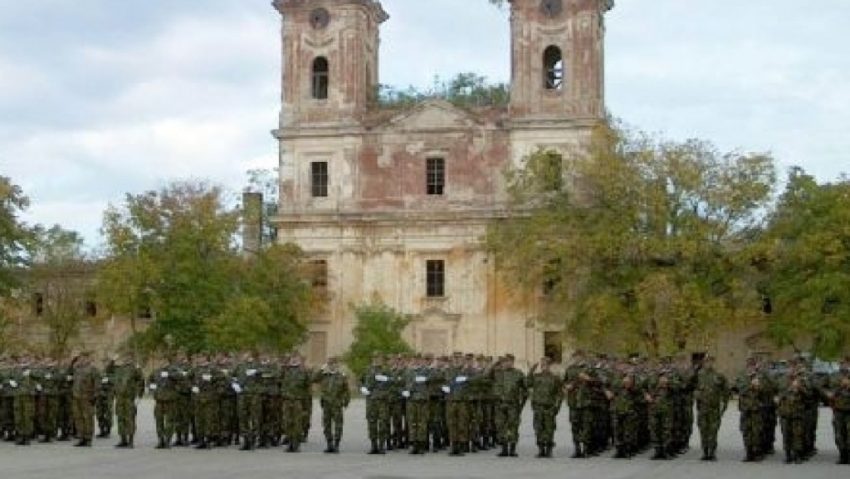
[129, 385]
[838, 397]
[457, 390]
[295, 389]
[206, 385]
[624, 395]
[7, 408]
[661, 400]
[791, 408]
[182, 414]
[228, 416]
[376, 386]
[48, 383]
[84, 389]
[248, 387]
[65, 414]
[418, 387]
[712, 398]
[24, 390]
[750, 395]
[546, 401]
[270, 425]
[335, 396]
[105, 401]
[509, 389]
[163, 384]
[578, 401]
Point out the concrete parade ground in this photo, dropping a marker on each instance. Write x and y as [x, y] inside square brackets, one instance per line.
[61, 460]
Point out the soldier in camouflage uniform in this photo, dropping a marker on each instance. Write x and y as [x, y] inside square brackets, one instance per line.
[546, 398]
[838, 397]
[295, 388]
[86, 380]
[49, 380]
[270, 428]
[206, 387]
[792, 410]
[228, 416]
[334, 396]
[624, 394]
[661, 396]
[23, 386]
[437, 411]
[418, 386]
[129, 385]
[509, 389]
[247, 386]
[712, 398]
[182, 415]
[578, 401]
[65, 414]
[7, 408]
[750, 394]
[376, 386]
[105, 402]
[163, 385]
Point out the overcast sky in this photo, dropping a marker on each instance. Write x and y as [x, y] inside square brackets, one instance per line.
[103, 97]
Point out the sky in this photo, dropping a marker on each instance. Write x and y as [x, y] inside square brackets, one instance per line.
[99, 98]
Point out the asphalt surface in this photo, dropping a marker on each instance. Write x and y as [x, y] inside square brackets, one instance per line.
[60, 460]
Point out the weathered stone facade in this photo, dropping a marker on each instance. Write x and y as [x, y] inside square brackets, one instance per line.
[376, 194]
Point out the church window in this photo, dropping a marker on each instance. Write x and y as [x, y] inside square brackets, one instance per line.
[321, 78]
[436, 278]
[553, 68]
[435, 176]
[319, 179]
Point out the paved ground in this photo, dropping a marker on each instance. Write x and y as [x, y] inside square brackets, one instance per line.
[60, 460]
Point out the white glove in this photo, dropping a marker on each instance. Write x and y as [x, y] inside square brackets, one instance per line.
[196, 389]
[421, 379]
[364, 390]
[405, 394]
[69, 378]
[163, 374]
[48, 376]
[152, 387]
[251, 372]
[446, 389]
[13, 383]
[104, 381]
[206, 377]
[381, 378]
[26, 373]
[236, 387]
[38, 387]
[460, 379]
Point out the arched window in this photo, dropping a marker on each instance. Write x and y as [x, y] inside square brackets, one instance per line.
[553, 68]
[320, 78]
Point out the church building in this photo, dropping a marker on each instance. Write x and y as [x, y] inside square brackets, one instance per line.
[394, 203]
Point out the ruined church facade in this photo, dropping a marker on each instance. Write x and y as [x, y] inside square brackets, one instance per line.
[394, 203]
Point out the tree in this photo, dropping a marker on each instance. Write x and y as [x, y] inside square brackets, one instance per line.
[378, 330]
[171, 251]
[805, 258]
[270, 308]
[59, 281]
[14, 234]
[636, 244]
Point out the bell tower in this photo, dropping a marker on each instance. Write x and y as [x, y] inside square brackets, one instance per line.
[557, 59]
[330, 60]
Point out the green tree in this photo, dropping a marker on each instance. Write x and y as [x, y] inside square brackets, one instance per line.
[378, 330]
[60, 278]
[171, 251]
[805, 255]
[14, 234]
[636, 244]
[269, 310]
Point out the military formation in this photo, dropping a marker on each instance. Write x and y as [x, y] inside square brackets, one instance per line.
[461, 403]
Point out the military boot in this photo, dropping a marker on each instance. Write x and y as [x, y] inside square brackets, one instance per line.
[621, 453]
[541, 450]
[844, 457]
[330, 447]
[504, 452]
[578, 451]
[247, 444]
[374, 449]
[512, 450]
[659, 454]
[122, 443]
[455, 450]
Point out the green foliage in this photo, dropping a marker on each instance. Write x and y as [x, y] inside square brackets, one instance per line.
[59, 273]
[464, 90]
[14, 234]
[173, 251]
[268, 312]
[805, 258]
[639, 250]
[378, 330]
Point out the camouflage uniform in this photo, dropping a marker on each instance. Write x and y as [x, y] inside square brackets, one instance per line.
[509, 389]
[546, 401]
[270, 428]
[248, 386]
[750, 394]
[418, 389]
[129, 386]
[624, 395]
[24, 390]
[335, 396]
[295, 388]
[792, 410]
[163, 384]
[376, 385]
[86, 379]
[207, 384]
[662, 401]
[839, 398]
[105, 402]
[712, 397]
